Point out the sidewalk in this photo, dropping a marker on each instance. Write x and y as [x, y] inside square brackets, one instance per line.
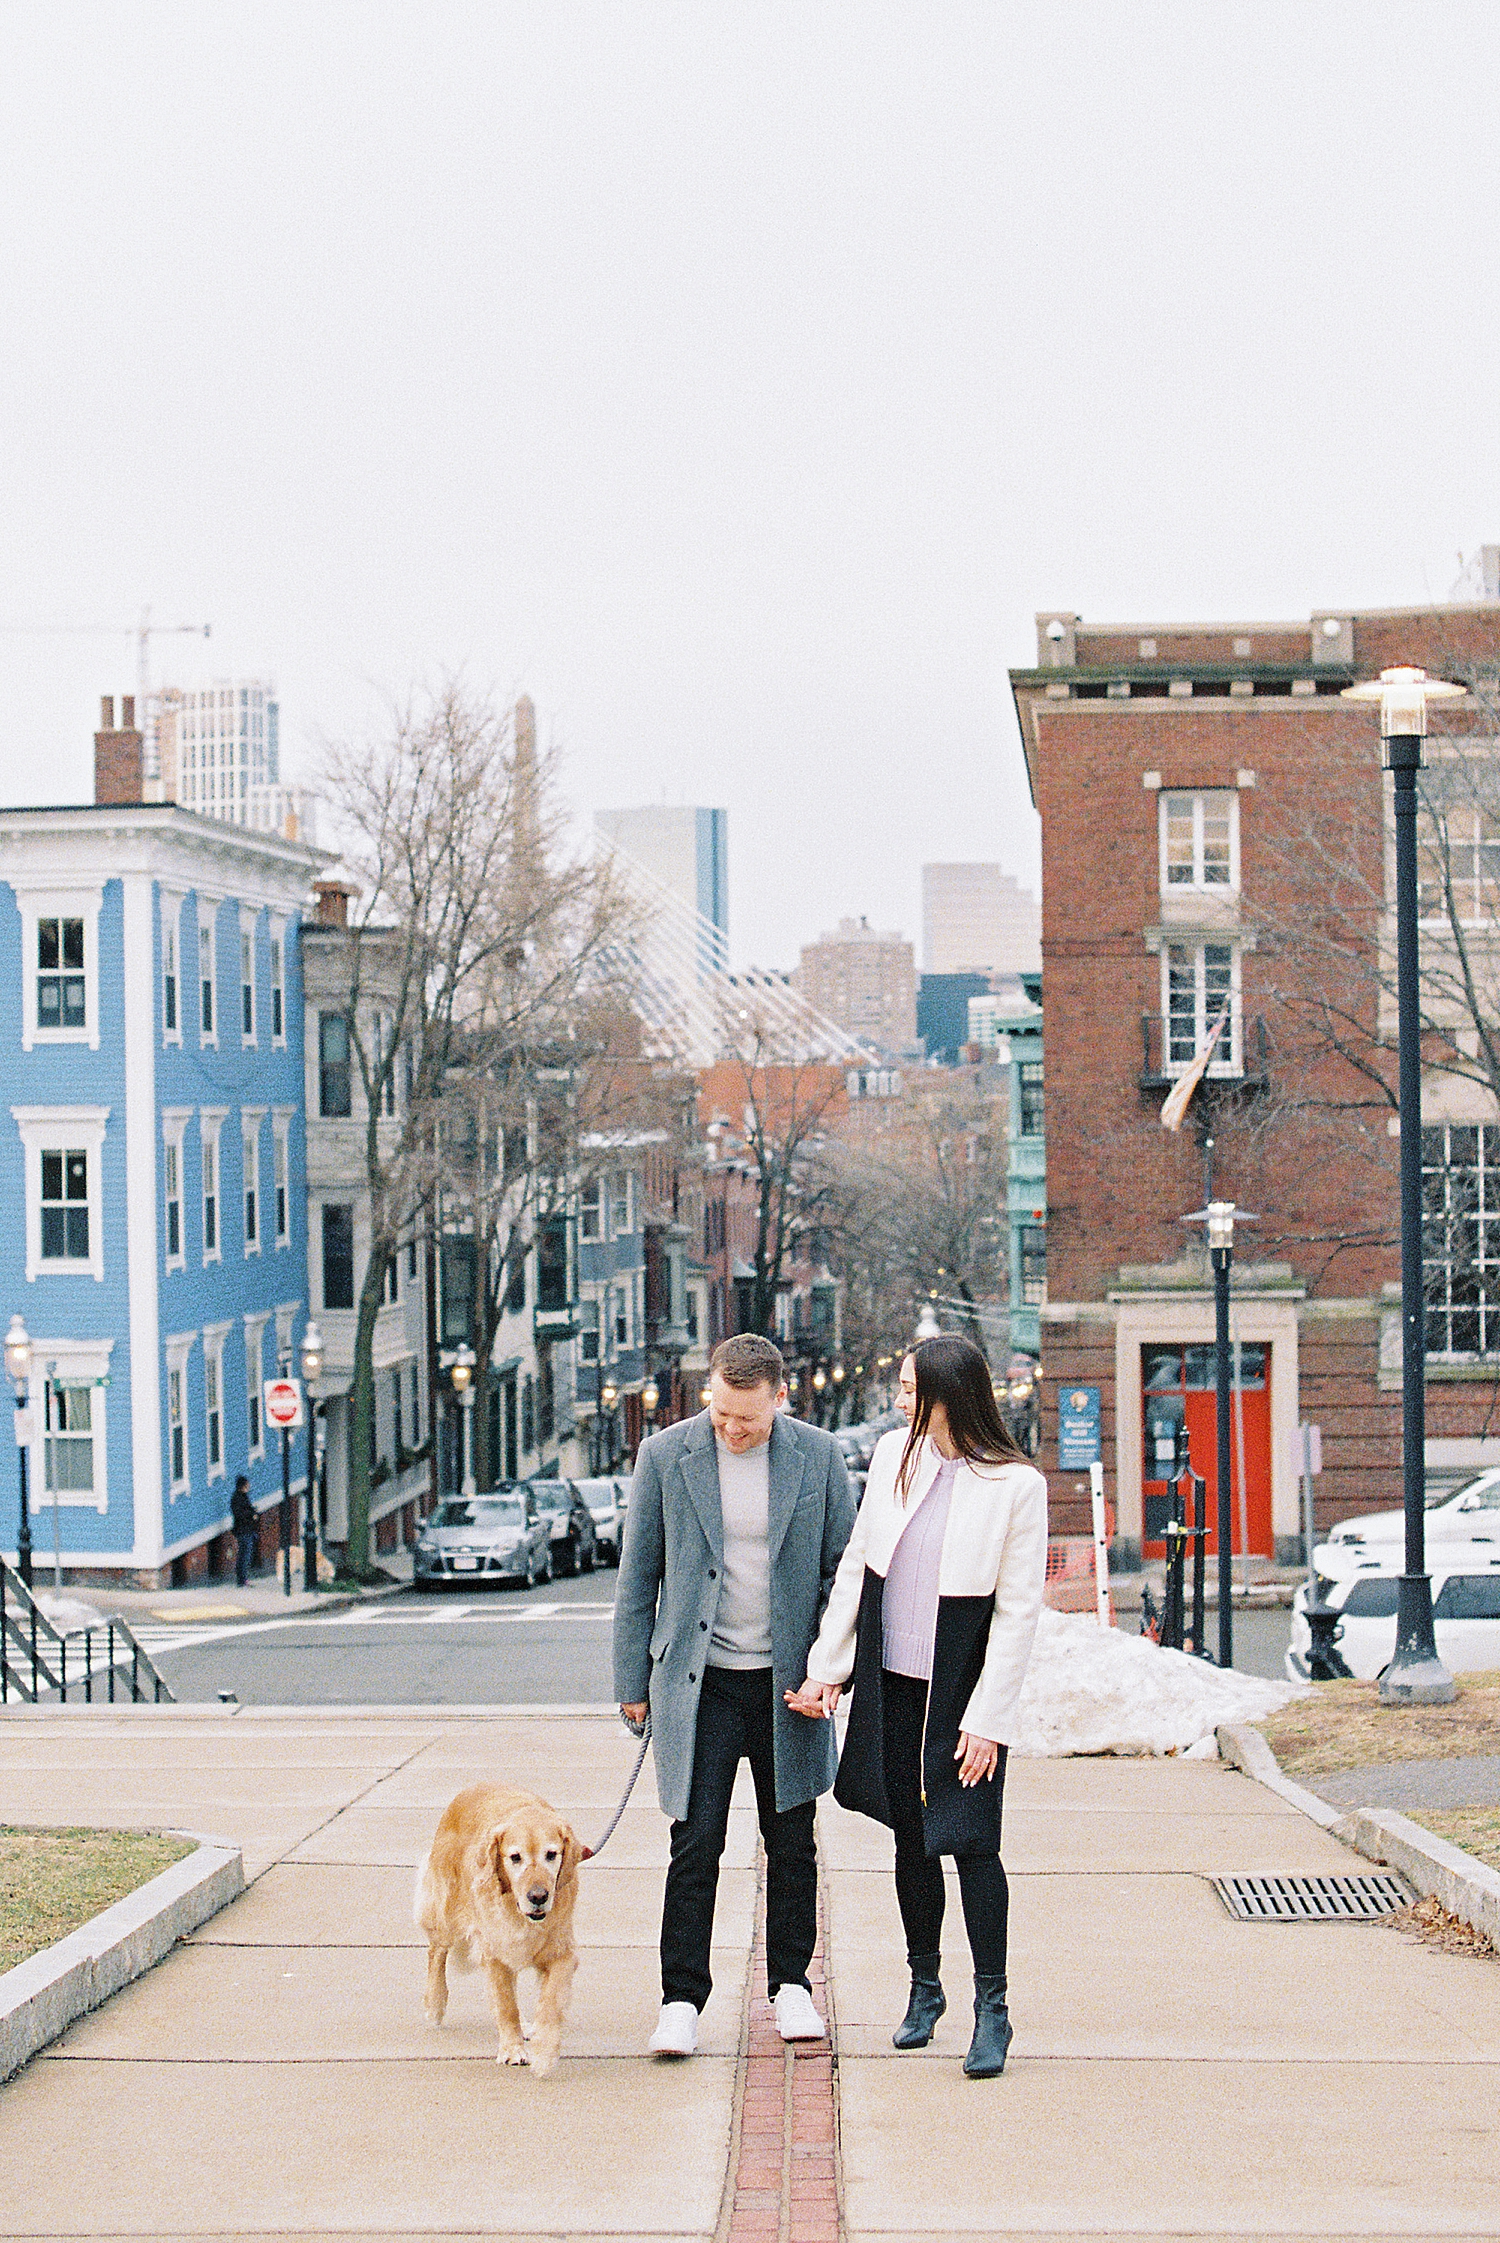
[262, 1598]
[1175, 2073]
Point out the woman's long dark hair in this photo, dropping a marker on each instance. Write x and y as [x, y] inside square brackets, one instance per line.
[952, 1371]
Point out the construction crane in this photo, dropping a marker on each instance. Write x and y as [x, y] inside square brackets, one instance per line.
[143, 633]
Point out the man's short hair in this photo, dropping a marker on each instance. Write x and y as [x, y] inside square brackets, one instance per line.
[748, 1360]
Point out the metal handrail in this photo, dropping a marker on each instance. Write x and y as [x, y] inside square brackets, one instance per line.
[38, 1671]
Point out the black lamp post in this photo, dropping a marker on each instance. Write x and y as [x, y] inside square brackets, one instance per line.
[312, 1369]
[1220, 1216]
[1416, 1675]
[604, 1413]
[18, 1370]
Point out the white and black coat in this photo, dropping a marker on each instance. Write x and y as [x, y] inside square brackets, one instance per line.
[990, 1581]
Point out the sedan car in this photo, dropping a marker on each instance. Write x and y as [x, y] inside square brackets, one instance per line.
[1465, 1610]
[498, 1537]
[606, 1500]
[570, 1523]
[1470, 1513]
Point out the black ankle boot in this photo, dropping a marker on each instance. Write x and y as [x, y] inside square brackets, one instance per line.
[926, 2005]
[992, 2027]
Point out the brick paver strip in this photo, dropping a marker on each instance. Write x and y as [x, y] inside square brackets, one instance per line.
[784, 2185]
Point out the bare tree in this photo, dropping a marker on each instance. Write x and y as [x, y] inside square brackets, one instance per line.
[474, 935]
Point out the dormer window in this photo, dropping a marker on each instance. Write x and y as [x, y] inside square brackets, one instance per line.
[1200, 841]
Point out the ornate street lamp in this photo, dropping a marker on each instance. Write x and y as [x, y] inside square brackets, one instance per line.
[462, 1374]
[604, 1407]
[1220, 1217]
[650, 1399]
[18, 1371]
[312, 1369]
[1416, 1675]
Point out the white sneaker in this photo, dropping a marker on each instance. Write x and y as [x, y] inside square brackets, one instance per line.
[796, 2019]
[676, 2031]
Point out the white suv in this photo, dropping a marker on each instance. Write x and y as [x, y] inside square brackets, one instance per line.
[1467, 1514]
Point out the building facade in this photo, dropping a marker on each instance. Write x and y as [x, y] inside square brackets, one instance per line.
[687, 851]
[1185, 775]
[218, 749]
[864, 980]
[978, 919]
[153, 1161]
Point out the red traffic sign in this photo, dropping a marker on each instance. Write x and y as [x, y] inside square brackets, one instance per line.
[284, 1403]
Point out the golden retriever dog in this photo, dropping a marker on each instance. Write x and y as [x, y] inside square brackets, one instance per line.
[496, 1892]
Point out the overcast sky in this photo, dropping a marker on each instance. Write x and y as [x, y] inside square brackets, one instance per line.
[736, 379]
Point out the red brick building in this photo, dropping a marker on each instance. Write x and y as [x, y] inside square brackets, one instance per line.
[1215, 842]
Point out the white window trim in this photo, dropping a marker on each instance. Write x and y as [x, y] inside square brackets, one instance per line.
[174, 1121]
[276, 932]
[214, 1336]
[211, 1120]
[287, 1313]
[1217, 1069]
[1196, 886]
[251, 1119]
[249, 921]
[170, 910]
[176, 1350]
[72, 1128]
[74, 1362]
[208, 923]
[255, 1373]
[625, 1229]
[281, 1129]
[46, 901]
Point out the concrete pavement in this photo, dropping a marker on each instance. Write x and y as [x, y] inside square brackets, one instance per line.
[1174, 2072]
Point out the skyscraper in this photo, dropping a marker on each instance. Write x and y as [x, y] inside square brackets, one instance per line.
[220, 754]
[978, 919]
[687, 850]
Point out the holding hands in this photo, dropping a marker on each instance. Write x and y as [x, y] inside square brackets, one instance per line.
[818, 1700]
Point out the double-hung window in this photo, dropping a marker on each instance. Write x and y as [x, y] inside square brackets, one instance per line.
[247, 985]
[278, 989]
[1200, 841]
[213, 1397]
[1461, 1239]
[64, 1161]
[173, 1125]
[280, 1131]
[169, 980]
[69, 1432]
[1200, 995]
[177, 1422]
[620, 1203]
[591, 1210]
[210, 1121]
[250, 1121]
[1033, 1114]
[1033, 1263]
[65, 1205]
[206, 980]
[60, 1001]
[333, 1067]
[338, 1255]
[588, 1331]
[255, 1327]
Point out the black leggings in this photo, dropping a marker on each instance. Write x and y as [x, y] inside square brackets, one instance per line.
[919, 1875]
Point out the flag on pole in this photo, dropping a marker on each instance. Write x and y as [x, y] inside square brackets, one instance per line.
[1181, 1096]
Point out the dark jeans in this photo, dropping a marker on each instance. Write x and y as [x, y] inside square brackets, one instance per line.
[244, 1556]
[919, 1875]
[734, 1720]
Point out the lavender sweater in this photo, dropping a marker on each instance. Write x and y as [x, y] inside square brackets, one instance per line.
[909, 1607]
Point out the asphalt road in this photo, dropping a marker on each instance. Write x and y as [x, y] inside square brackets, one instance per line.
[493, 1646]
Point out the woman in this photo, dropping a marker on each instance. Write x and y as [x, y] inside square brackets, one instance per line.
[932, 1612]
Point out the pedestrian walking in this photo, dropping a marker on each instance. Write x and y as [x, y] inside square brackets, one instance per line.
[932, 1615]
[242, 1518]
[737, 1521]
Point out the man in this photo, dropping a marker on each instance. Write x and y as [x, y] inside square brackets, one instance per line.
[242, 1518]
[737, 1521]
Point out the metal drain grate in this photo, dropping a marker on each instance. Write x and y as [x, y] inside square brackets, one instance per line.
[1312, 1900]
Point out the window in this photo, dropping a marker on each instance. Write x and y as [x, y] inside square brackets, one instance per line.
[1033, 1242]
[333, 1066]
[206, 980]
[69, 1427]
[591, 1209]
[213, 1406]
[1461, 1239]
[59, 976]
[1372, 1599]
[169, 979]
[588, 1332]
[1200, 841]
[694, 1317]
[552, 1263]
[172, 1194]
[398, 1430]
[255, 1327]
[278, 993]
[514, 1150]
[178, 1429]
[515, 1292]
[1458, 841]
[338, 1256]
[546, 1395]
[247, 985]
[458, 1289]
[1467, 1596]
[622, 1316]
[1200, 981]
[278, 1179]
[65, 1207]
[620, 1203]
[250, 1142]
[1033, 1115]
[391, 1289]
[209, 1124]
[411, 1259]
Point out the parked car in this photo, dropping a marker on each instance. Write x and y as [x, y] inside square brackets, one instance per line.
[574, 1542]
[499, 1536]
[1470, 1513]
[1465, 1609]
[606, 1500]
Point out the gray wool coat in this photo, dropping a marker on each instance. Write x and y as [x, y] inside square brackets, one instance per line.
[667, 1593]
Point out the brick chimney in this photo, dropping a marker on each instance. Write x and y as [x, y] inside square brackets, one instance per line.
[333, 902]
[119, 753]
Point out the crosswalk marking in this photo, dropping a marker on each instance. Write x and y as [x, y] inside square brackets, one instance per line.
[157, 1636]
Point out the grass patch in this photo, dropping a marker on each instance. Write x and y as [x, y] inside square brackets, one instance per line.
[1475, 1829]
[1344, 1725]
[51, 1881]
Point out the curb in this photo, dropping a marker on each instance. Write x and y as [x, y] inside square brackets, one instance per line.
[1467, 1888]
[43, 1996]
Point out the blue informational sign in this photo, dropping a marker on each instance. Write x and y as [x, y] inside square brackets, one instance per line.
[1078, 1428]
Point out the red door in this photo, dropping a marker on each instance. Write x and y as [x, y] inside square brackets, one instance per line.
[1186, 1374]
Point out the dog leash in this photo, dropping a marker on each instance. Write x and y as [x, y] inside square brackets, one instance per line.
[644, 1733]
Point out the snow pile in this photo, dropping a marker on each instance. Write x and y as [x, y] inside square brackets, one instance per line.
[69, 1615]
[1093, 1689]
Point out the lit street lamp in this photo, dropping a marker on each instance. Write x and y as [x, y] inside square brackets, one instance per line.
[312, 1369]
[1416, 1675]
[462, 1374]
[928, 1327]
[650, 1399]
[604, 1407]
[18, 1371]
